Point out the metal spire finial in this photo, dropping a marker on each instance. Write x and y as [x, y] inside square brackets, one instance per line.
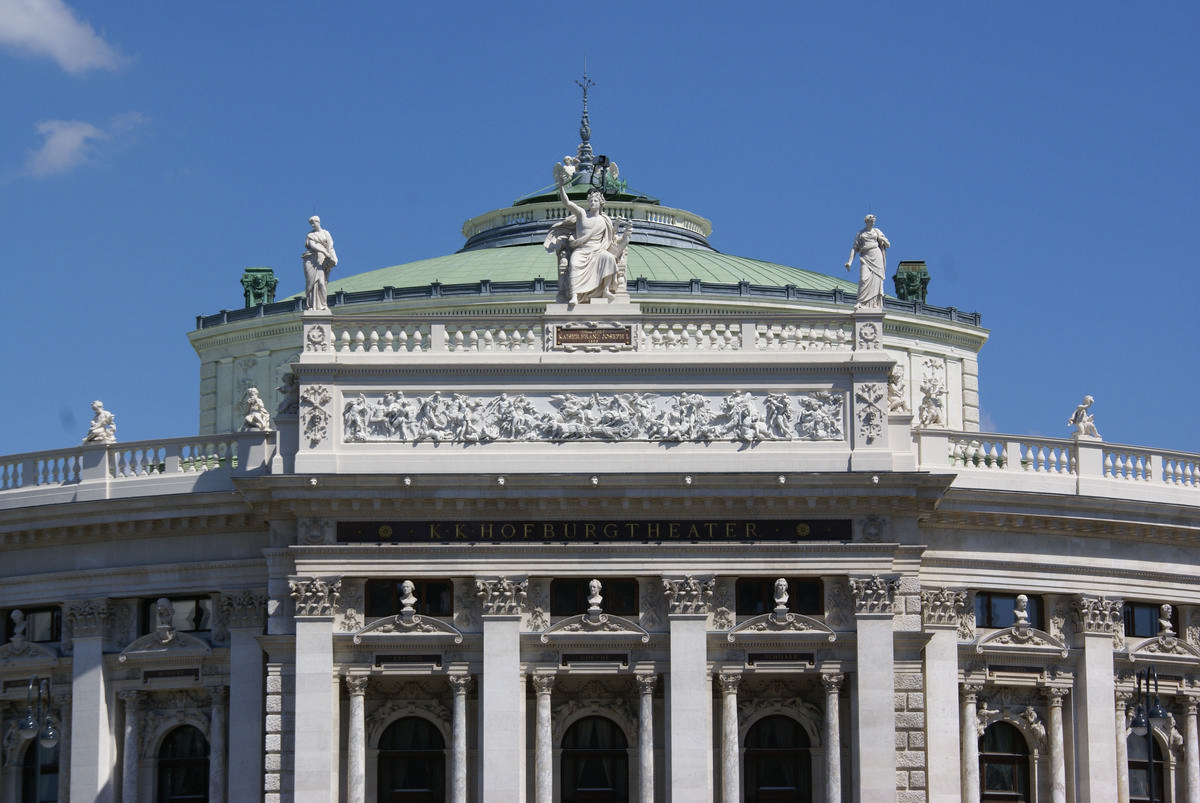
[585, 127]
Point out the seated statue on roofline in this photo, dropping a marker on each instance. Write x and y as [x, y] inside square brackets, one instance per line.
[589, 249]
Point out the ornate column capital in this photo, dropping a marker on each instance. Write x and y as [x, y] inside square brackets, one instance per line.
[357, 684]
[132, 700]
[244, 609]
[502, 596]
[1055, 695]
[729, 682]
[689, 595]
[315, 596]
[542, 683]
[969, 691]
[218, 696]
[874, 595]
[1098, 615]
[832, 682]
[646, 683]
[942, 607]
[1191, 704]
[89, 618]
[461, 684]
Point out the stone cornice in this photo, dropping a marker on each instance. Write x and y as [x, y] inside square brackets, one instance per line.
[1081, 516]
[972, 567]
[148, 517]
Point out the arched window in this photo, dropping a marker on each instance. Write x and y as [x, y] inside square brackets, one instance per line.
[1003, 764]
[412, 763]
[39, 774]
[595, 764]
[183, 767]
[778, 764]
[1139, 771]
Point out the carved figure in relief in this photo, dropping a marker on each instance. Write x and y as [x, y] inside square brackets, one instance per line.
[1082, 420]
[256, 416]
[590, 243]
[744, 421]
[164, 613]
[821, 416]
[933, 387]
[871, 247]
[781, 418]
[289, 389]
[897, 391]
[103, 428]
[319, 259]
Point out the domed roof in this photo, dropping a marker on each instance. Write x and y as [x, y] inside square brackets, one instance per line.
[523, 263]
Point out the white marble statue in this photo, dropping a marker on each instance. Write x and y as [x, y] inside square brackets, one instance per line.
[103, 428]
[1082, 420]
[588, 246]
[871, 247]
[319, 259]
[897, 391]
[256, 417]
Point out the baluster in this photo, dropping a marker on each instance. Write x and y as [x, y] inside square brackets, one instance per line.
[359, 339]
[389, 340]
[403, 338]
[345, 338]
[418, 339]
[459, 340]
[501, 339]
[374, 340]
[532, 338]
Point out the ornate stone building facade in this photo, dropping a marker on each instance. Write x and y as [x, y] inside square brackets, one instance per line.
[726, 538]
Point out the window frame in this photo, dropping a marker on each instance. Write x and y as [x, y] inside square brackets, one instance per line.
[1036, 609]
[814, 589]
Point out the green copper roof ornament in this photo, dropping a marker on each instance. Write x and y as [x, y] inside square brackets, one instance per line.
[258, 285]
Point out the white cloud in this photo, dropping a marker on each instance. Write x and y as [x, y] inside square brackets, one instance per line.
[71, 143]
[50, 28]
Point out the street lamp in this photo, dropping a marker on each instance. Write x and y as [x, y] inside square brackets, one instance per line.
[28, 727]
[1148, 716]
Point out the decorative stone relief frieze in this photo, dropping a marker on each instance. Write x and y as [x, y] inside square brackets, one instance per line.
[1193, 627]
[316, 531]
[314, 413]
[839, 607]
[466, 606]
[873, 528]
[688, 595]
[652, 604]
[724, 604]
[315, 596]
[243, 609]
[539, 605]
[869, 400]
[349, 612]
[874, 595]
[502, 596]
[898, 391]
[942, 606]
[682, 418]
[165, 711]
[932, 412]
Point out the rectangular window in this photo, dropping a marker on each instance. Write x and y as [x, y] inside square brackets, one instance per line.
[999, 609]
[570, 597]
[190, 614]
[385, 598]
[756, 595]
[1142, 619]
[42, 625]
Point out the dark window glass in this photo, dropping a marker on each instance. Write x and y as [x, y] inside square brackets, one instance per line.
[1142, 619]
[39, 774]
[569, 597]
[756, 595]
[595, 762]
[998, 609]
[42, 625]
[1003, 764]
[778, 763]
[192, 614]
[1140, 769]
[434, 597]
[412, 762]
[183, 767]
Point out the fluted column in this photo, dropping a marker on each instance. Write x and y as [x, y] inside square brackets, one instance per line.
[1058, 764]
[543, 767]
[458, 751]
[1123, 698]
[133, 735]
[216, 745]
[646, 684]
[970, 743]
[833, 738]
[730, 778]
[357, 740]
[1192, 750]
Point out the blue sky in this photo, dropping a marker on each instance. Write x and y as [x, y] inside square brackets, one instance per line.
[1039, 156]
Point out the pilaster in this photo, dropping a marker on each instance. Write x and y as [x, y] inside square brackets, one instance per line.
[941, 610]
[689, 700]
[502, 689]
[316, 743]
[245, 614]
[93, 753]
[875, 686]
[1097, 620]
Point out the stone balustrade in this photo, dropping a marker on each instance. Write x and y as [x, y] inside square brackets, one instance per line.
[139, 468]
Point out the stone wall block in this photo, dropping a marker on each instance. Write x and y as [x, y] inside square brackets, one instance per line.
[913, 721]
[916, 701]
[910, 682]
[910, 759]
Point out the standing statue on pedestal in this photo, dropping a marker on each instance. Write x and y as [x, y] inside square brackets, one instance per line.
[587, 245]
[319, 259]
[103, 428]
[1083, 421]
[871, 247]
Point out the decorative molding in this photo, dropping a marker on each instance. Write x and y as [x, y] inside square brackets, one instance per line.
[874, 595]
[729, 682]
[688, 595]
[943, 607]
[314, 414]
[408, 624]
[1021, 637]
[595, 623]
[869, 404]
[315, 596]
[502, 596]
[542, 683]
[782, 623]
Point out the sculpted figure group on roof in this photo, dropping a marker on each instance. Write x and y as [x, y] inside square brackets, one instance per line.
[589, 248]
